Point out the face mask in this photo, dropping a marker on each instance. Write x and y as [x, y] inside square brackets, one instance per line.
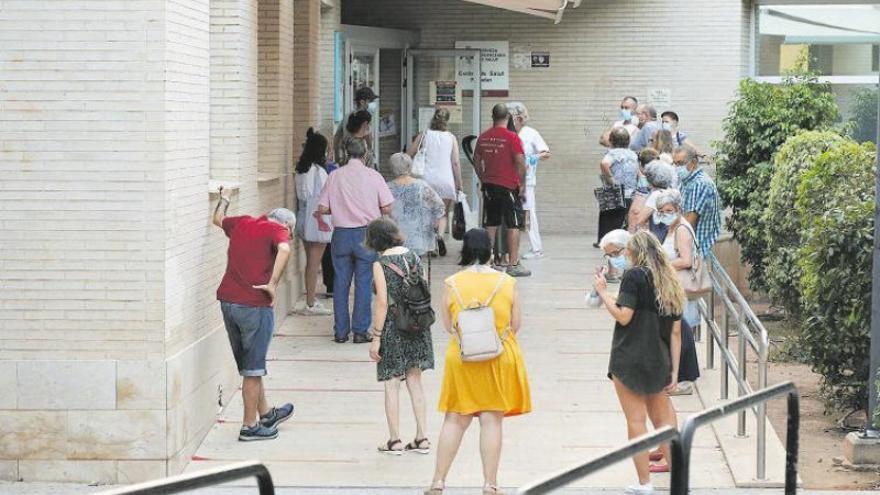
[682, 172]
[625, 114]
[619, 263]
[664, 218]
[373, 106]
[667, 126]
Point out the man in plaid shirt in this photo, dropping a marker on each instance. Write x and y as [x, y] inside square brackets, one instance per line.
[701, 204]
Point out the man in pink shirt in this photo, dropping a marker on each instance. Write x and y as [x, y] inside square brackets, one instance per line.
[355, 196]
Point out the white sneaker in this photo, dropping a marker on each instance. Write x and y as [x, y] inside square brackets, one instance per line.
[533, 255]
[317, 310]
[640, 489]
[683, 388]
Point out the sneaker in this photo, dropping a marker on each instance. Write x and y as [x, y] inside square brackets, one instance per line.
[518, 270]
[640, 489]
[256, 432]
[362, 338]
[441, 246]
[317, 310]
[277, 416]
[683, 388]
[533, 255]
[299, 306]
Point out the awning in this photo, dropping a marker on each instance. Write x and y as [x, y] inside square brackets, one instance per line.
[548, 9]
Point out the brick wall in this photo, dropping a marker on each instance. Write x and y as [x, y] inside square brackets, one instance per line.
[600, 52]
[306, 60]
[330, 20]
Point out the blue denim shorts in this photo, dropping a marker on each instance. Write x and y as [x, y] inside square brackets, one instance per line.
[250, 331]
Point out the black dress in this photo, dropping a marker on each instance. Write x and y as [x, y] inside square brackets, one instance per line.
[640, 355]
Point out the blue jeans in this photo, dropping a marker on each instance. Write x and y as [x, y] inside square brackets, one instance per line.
[351, 259]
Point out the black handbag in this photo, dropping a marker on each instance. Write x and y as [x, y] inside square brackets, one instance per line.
[610, 197]
[459, 227]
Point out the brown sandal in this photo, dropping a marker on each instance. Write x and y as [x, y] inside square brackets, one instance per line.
[491, 490]
[388, 448]
[433, 490]
[419, 446]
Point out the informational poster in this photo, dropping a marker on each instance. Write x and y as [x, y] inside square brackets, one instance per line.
[495, 66]
[540, 60]
[521, 56]
[387, 125]
[425, 116]
[447, 94]
[660, 98]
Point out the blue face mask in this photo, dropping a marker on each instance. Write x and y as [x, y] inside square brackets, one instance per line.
[625, 114]
[667, 126]
[664, 218]
[619, 263]
[682, 172]
[373, 106]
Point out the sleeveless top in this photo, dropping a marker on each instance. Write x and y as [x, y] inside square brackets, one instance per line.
[438, 172]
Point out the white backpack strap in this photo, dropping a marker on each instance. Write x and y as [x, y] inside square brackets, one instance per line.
[494, 292]
[455, 293]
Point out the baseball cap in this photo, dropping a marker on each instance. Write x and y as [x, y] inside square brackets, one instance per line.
[365, 93]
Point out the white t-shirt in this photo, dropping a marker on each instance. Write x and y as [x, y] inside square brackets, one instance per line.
[533, 144]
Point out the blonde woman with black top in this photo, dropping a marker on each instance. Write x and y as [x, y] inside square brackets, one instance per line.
[647, 343]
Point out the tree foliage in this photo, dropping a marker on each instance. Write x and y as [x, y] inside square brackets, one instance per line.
[835, 200]
[760, 120]
[863, 115]
[782, 221]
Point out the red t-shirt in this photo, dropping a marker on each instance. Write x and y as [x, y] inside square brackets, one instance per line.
[498, 148]
[253, 244]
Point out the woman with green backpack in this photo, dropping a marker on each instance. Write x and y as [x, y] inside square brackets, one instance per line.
[402, 318]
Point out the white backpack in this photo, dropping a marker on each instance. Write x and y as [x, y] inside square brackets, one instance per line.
[475, 327]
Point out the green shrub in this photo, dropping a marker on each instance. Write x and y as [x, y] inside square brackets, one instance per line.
[863, 110]
[762, 117]
[836, 204]
[781, 220]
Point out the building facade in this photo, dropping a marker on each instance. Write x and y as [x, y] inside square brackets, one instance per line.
[119, 120]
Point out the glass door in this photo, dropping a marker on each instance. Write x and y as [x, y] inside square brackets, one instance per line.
[363, 71]
[433, 78]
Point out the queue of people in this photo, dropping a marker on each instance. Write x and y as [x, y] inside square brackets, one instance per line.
[379, 233]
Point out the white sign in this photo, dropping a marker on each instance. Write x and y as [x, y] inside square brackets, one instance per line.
[660, 98]
[426, 114]
[494, 65]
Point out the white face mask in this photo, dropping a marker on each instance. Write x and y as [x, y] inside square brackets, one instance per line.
[664, 218]
[373, 106]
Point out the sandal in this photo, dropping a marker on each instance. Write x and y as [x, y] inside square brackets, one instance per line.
[433, 490]
[418, 446]
[491, 490]
[388, 448]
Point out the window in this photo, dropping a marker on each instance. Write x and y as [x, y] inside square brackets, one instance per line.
[840, 42]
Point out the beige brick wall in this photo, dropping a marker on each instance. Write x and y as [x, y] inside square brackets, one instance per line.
[112, 348]
[330, 20]
[306, 76]
[599, 53]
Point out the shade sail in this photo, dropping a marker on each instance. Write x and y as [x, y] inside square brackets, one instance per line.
[548, 9]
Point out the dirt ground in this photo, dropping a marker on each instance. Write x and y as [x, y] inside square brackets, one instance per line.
[821, 439]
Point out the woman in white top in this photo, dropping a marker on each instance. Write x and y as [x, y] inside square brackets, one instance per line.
[311, 175]
[535, 150]
[442, 165]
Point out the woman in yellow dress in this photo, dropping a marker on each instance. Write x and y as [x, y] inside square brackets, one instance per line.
[487, 390]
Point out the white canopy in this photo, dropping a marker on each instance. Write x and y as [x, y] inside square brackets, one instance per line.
[548, 9]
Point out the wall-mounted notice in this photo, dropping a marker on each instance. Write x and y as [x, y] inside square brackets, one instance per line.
[495, 66]
[447, 94]
[660, 98]
[540, 60]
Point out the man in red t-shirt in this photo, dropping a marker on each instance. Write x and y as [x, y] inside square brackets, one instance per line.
[258, 252]
[501, 166]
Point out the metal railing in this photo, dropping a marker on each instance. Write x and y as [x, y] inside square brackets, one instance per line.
[750, 332]
[682, 443]
[202, 479]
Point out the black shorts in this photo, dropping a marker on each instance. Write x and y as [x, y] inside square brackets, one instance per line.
[502, 205]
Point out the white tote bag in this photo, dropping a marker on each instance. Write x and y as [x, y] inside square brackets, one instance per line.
[420, 161]
[471, 217]
[311, 232]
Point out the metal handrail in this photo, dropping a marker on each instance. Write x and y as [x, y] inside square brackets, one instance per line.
[681, 444]
[681, 473]
[566, 476]
[750, 332]
[202, 479]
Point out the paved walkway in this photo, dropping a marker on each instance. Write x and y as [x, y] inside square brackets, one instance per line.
[339, 422]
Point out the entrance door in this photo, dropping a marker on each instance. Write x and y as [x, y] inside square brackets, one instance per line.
[363, 71]
[430, 80]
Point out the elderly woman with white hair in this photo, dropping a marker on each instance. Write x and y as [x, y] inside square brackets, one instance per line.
[661, 178]
[417, 208]
[535, 149]
[680, 247]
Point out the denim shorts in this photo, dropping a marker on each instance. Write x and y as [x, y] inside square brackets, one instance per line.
[250, 331]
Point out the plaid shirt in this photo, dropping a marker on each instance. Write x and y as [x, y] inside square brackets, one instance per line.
[701, 197]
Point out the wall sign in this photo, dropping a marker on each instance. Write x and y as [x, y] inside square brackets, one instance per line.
[540, 60]
[447, 94]
[661, 98]
[495, 67]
